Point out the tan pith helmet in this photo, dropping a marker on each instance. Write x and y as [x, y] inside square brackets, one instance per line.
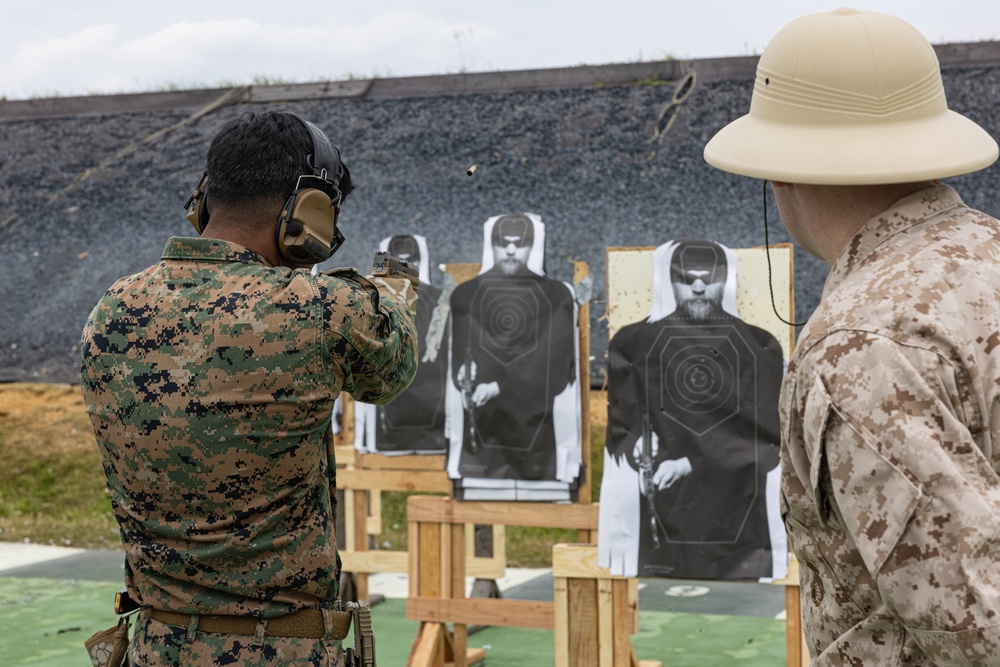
[850, 98]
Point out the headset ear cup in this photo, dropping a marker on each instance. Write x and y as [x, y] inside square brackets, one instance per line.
[306, 231]
[194, 217]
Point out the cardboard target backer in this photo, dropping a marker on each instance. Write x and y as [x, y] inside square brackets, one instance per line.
[690, 485]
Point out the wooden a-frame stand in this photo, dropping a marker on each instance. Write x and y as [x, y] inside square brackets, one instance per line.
[592, 616]
[362, 478]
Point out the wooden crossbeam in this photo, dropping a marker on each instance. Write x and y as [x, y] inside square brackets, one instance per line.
[395, 480]
[544, 515]
[482, 611]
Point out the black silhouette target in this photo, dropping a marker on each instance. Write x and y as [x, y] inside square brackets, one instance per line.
[516, 333]
[509, 316]
[708, 389]
[698, 378]
[415, 418]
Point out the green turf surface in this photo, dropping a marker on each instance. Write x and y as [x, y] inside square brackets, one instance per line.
[701, 640]
[45, 622]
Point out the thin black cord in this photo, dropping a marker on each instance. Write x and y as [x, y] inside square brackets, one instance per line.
[770, 285]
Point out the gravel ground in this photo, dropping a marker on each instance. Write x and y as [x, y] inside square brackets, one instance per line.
[582, 159]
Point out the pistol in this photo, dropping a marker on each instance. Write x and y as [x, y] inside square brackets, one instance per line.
[388, 266]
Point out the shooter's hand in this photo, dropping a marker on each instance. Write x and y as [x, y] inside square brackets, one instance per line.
[670, 472]
[398, 289]
[397, 277]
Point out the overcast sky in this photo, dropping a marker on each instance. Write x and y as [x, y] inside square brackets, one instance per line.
[69, 47]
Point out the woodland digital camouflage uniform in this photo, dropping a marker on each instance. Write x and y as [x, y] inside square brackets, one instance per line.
[891, 411]
[210, 380]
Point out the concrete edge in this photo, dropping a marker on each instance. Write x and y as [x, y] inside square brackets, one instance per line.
[966, 54]
[19, 554]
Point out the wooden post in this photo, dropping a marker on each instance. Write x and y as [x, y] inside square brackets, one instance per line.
[625, 622]
[796, 651]
[793, 644]
[584, 630]
[562, 621]
[360, 511]
[596, 612]
[457, 562]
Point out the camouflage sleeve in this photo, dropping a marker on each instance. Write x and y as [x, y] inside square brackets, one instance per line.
[376, 345]
[888, 435]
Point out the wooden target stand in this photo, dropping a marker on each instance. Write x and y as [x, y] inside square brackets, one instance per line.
[629, 285]
[593, 613]
[362, 477]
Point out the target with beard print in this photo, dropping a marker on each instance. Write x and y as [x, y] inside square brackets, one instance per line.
[693, 428]
[514, 372]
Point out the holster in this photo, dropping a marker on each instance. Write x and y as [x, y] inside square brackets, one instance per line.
[362, 654]
[108, 648]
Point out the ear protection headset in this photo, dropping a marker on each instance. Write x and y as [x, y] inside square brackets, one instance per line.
[306, 231]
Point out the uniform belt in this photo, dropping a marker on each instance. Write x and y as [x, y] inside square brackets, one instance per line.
[306, 623]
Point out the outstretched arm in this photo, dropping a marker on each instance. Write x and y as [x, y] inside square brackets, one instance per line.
[373, 335]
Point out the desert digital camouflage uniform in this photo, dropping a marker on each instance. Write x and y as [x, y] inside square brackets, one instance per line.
[210, 380]
[891, 418]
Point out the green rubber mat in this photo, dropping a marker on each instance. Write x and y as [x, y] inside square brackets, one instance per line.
[45, 621]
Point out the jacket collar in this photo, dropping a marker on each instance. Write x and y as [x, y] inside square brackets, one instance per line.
[210, 250]
[908, 212]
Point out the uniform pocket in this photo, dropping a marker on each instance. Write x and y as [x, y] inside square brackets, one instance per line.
[816, 418]
[874, 498]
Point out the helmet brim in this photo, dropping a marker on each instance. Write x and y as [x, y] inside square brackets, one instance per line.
[905, 151]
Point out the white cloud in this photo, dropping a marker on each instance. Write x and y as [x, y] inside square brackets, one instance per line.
[213, 52]
[58, 64]
[117, 45]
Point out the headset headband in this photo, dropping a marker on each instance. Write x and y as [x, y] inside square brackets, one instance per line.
[325, 158]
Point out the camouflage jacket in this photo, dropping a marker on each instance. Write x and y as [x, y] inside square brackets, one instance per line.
[891, 417]
[210, 379]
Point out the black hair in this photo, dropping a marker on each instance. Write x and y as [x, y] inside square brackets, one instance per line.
[258, 156]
